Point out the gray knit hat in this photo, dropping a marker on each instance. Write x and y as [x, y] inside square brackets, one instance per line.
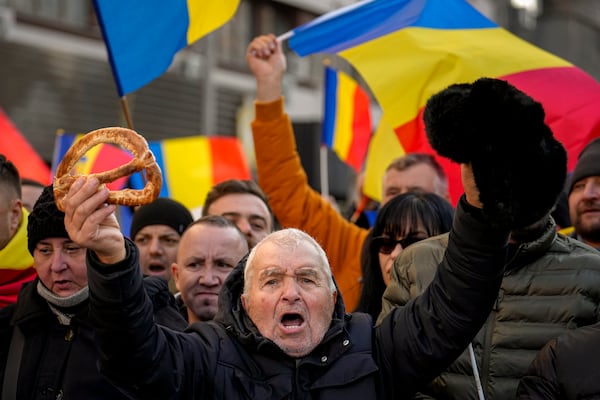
[162, 211]
[588, 163]
[45, 221]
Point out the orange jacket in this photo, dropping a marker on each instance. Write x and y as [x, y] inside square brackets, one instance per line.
[297, 205]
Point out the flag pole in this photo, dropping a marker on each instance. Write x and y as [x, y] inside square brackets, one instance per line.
[324, 170]
[285, 36]
[125, 108]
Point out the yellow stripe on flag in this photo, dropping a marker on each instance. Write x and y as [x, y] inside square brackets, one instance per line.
[208, 15]
[345, 115]
[436, 59]
[383, 148]
[188, 165]
[85, 165]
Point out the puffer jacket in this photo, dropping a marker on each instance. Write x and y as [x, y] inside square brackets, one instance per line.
[58, 361]
[228, 358]
[550, 285]
[566, 368]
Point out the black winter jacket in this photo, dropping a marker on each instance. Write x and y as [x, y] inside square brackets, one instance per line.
[567, 368]
[58, 362]
[229, 359]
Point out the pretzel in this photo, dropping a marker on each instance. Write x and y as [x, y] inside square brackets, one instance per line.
[143, 160]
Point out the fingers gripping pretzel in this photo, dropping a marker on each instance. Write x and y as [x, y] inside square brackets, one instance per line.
[143, 160]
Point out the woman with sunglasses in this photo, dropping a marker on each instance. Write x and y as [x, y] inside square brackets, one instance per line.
[404, 220]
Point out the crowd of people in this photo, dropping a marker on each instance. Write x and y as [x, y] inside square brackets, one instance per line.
[273, 293]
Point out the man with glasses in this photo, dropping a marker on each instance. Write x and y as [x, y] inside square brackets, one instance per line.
[16, 264]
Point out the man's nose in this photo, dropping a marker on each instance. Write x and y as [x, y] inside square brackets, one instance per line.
[244, 225]
[207, 277]
[290, 290]
[155, 246]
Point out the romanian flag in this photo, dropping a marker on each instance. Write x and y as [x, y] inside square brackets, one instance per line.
[18, 150]
[142, 36]
[347, 118]
[192, 165]
[407, 50]
[100, 158]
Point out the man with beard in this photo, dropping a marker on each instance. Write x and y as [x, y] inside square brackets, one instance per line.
[584, 195]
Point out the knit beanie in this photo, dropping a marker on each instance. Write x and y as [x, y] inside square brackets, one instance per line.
[45, 220]
[163, 211]
[588, 163]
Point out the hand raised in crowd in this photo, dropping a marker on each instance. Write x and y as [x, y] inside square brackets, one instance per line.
[91, 222]
[469, 186]
[267, 62]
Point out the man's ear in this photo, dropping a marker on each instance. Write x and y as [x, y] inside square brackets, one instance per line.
[175, 273]
[16, 213]
[243, 299]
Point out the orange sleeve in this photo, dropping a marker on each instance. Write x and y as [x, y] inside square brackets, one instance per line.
[297, 205]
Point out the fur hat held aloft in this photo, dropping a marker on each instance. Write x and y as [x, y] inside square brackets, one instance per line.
[588, 163]
[45, 221]
[519, 167]
[162, 211]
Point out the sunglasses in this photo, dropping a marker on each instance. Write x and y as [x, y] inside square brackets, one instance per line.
[386, 245]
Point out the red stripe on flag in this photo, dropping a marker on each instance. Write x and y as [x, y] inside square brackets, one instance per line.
[110, 157]
[228, 159]
[361, 128]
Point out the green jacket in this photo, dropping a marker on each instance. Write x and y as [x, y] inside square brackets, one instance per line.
[550, 285]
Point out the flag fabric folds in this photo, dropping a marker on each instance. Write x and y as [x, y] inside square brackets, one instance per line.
[407, 50]
[18, 150]
[347, 118]
[100, 158]
[142, 36]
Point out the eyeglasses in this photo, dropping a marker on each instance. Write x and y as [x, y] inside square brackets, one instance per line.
[386, 245]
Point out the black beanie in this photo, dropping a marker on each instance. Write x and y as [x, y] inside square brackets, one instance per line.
[163, 211]
[45, 220]
[588, 163]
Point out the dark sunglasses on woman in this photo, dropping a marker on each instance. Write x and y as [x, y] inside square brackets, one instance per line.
[386, 245]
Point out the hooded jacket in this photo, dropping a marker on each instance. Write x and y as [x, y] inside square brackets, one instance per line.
[228, 358]
[550, 285]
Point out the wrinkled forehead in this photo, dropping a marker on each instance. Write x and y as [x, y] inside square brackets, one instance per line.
[287, 258]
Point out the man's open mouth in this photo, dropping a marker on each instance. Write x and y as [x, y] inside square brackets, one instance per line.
[292, 320]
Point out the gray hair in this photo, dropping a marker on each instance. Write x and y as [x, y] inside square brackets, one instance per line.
[289, 238]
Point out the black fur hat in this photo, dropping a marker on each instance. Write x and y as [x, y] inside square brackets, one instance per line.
[519, 167]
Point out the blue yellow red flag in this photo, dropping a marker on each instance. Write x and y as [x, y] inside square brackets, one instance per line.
[347, 118]
[192, 165]
[407, 50]
[142, 36]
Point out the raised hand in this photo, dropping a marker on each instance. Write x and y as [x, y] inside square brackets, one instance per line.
[267, 62]
[91, 222]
